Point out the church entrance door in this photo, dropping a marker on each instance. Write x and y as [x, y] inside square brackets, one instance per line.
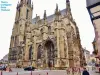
[49, 46]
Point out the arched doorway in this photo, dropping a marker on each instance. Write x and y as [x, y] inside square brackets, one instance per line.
[49, 47]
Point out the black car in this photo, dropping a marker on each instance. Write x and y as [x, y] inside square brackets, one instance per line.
[29, 68]
[3, 68]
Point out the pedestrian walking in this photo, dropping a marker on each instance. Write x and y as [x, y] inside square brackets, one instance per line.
[85, 72]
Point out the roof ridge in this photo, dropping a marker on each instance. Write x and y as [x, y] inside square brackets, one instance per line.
[50, 17]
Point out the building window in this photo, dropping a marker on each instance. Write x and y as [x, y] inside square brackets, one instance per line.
[49, 29]
[30, 53]
[27, 12]
[12, 41]
[39, 52]
[15, 43]
[19, 13]
[41, 31]
[24, 39]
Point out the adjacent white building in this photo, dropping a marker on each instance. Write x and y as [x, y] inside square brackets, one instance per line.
[93, 7]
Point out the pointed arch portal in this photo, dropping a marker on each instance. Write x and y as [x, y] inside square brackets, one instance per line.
[49, 46]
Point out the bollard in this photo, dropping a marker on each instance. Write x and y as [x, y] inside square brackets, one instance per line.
[31, 72]
[47, 73]
[17, 73]
[1, 73]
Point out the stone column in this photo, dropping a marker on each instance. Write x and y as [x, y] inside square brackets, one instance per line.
[26, 52]
[35, 52]
[62, 54]
[45, 31]
[58, 46]
[67, 55]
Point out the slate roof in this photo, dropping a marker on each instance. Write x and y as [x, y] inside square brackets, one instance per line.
[92, 2]
[50, 18]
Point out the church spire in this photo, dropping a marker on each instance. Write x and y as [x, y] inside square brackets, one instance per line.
[45, 16]
[29, 2]
[18, 5]
[57, 7]
[57, 11]
[68, 5]
[22, 1]
[67, 1]
[68, 9]
[26, 2]
[32, 5]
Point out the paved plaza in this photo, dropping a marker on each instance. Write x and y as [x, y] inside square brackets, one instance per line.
[45, 72]
[41, 72]
[93, 72]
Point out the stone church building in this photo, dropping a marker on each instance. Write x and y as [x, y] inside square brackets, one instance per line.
[53, 41]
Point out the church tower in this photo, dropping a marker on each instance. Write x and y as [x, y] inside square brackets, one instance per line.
[22, 20]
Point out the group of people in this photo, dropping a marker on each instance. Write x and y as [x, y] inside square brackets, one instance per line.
[84, 71]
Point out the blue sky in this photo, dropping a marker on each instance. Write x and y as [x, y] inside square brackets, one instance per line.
[79, 12]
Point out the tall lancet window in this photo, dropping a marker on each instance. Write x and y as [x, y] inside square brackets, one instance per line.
[39, 52]
[49, 29]
[30, 53]
[27, 12]
[15, 41]
[19, 13]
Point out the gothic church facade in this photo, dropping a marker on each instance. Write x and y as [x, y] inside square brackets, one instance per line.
[53, 41]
